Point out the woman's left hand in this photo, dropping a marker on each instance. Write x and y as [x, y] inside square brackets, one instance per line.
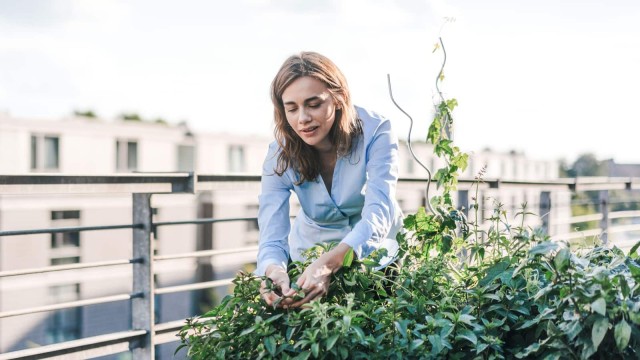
[316, 278]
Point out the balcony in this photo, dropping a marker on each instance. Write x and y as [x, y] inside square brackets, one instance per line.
[182, 236]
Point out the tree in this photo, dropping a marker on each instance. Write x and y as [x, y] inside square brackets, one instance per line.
[86, 114]
[130, 117]
[586, 165]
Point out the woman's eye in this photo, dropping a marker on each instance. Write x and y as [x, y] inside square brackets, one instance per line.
[314, 106]
[291, 110]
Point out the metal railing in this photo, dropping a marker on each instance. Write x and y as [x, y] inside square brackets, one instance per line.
[145, 333]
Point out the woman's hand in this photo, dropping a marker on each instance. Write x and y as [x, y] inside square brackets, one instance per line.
[280, 278]
[316, 278]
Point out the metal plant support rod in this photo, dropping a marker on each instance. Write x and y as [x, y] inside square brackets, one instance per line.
[205, 253]
[427, 201]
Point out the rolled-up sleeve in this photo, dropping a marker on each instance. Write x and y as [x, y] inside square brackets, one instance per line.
[273, 215]
[379, 208]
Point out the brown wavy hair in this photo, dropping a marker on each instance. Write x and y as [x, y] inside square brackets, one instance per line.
[295, 153]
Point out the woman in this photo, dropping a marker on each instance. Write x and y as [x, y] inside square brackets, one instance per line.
[341, 161]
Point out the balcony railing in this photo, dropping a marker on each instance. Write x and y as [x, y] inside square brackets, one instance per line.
[145, 333]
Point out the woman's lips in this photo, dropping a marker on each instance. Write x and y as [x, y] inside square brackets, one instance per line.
[309, 130]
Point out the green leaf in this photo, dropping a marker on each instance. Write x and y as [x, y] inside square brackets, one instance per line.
[561, 260]
[401, 326]
[528, 351]
[622, 333]
[332, 341]
[493, 272]
[633, 252]
[599, 330]
[468, 335]
[436, 344]
[416, 344]
[274, 318]
[481, 347]
[302, 356]
[467, 319]
[543, 248]
[599, 306]
[348, 258]
[315, 349]
[270, 345]
[634, 268]
[248, 330]
[451, 104]
[344, 352]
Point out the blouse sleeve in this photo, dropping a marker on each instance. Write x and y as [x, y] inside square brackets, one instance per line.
[273, 215]
[379, 209]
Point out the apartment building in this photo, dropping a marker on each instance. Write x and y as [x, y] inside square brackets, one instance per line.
[90, 146]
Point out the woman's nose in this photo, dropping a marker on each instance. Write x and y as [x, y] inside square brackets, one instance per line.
[304, 116]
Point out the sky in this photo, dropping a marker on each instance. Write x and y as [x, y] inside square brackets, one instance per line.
[551, 78]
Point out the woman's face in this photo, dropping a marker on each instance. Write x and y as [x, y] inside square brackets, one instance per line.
[310, 111]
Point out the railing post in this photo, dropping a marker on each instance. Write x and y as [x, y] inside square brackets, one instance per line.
[463, 202]
[142, 306]
[604, 222]
[545, 211]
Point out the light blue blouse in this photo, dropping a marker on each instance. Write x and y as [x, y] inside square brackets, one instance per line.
[361, 210]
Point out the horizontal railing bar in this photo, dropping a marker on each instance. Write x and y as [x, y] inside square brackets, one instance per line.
[68, 229]
[624, 228]
[205, 253]
[166, 332]
[69, 304]
[577, 235]
[226, 178]
[169, 326]
[72, 179]
[189, 287]
[90, 347]
[202, 221]
[68, 267]
[159, 183]
[624, 214]
[579, 219]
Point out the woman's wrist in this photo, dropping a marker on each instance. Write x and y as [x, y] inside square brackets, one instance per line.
[335, 257]
[271, 268]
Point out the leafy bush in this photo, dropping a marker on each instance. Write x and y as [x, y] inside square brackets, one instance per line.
[523, 297]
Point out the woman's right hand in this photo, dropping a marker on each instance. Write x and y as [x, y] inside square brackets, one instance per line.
[280, 279]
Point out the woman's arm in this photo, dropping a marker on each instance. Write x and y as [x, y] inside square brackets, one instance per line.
[273, 216]
[379, 210]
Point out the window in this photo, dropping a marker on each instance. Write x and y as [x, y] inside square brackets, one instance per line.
[45, 152]
[236, 158]
[65, 246]
[126, 155]
[186, 157]
[65, 260]
[65, 214]
[64, 325]
[61, 240]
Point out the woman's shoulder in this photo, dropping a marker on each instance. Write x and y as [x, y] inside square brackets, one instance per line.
[372, 122]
